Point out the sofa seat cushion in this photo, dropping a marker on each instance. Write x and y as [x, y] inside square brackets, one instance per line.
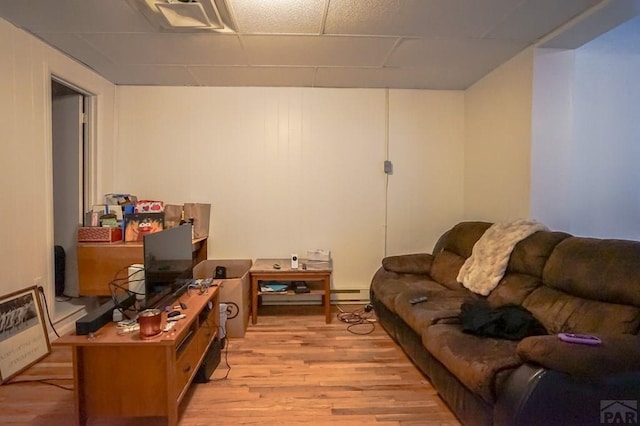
[439, 306]
[477, 362]
[388, 285]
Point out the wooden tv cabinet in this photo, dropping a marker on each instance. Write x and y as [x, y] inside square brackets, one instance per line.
[119, 376]
[101, 263]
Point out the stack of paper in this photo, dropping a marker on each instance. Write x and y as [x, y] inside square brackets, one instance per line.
[273, 287]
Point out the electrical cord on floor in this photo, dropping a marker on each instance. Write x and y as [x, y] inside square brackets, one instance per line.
[226, 361]
[224, 341]
[358, 320]
[43, 297]
[42, 381]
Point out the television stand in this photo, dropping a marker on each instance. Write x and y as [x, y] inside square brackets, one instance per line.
[120, 375]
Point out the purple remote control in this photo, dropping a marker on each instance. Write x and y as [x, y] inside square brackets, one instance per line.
[584, 339]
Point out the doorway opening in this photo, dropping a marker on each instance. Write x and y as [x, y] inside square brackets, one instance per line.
[71, 109]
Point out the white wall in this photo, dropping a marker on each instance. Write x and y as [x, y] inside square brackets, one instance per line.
[606, 174]
[291, 169]
[426, 146]
[285, 170]
[26, 65]
[585, 151]
[551, 149]
[497, 142]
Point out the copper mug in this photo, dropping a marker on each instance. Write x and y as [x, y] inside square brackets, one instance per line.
[150, 320]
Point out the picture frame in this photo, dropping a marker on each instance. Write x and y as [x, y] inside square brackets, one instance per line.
[23, 333]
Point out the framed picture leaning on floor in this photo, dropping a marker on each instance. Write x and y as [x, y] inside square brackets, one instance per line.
[23, 334]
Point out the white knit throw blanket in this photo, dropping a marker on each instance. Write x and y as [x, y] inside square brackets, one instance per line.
[484, 269]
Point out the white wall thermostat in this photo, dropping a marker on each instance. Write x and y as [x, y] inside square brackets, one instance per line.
[294, 261]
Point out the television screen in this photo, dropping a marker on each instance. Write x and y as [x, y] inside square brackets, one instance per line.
[168, 264]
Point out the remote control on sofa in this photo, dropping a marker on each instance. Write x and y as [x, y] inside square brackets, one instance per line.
[418, 299]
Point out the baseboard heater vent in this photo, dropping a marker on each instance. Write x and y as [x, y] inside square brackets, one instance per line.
[344, 296]
[350, 295]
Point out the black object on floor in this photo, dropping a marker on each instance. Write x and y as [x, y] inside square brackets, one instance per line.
[210, 362]
[60, 260]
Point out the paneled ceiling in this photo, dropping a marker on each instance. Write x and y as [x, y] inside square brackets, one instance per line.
[421, 44]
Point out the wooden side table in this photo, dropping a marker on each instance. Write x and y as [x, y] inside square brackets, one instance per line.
[263, 270]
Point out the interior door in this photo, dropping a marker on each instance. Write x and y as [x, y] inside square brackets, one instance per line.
[68, 152]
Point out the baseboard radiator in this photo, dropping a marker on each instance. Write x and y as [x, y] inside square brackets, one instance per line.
[338, 296]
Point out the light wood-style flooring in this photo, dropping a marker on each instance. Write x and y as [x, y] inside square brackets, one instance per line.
[291, 368]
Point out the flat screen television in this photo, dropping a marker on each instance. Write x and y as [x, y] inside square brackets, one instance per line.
[168, 265]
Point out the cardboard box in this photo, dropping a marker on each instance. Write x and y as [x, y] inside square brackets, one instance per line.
[98, 234]
[320, 255]
[234, 291]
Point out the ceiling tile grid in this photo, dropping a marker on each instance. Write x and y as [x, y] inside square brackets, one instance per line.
[438, 44]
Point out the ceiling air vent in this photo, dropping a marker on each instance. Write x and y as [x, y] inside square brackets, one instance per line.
[186, 15]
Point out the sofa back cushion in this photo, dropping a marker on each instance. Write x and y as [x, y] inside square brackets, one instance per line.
[445, 267]
[530, 255]
[461, 238]
[590, 286]
[562, 312]
[595, 269]
[453, 248]
[526, 264]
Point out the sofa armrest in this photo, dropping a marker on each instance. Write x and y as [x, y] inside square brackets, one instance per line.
[419, 263]
[534, 395]
[617, 354]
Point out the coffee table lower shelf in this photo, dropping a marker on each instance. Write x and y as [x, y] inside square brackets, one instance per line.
[263, 270]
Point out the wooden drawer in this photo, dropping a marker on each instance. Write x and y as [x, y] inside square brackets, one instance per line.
[206, 333]
[186, 363]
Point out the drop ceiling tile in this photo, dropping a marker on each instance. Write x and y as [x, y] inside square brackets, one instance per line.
[282, 16]
[317, 50]
[145, 75]
[254, 76]
[73, 16]
[478, 55]
[423, 18]
[536, 18]
[433, 78]
[78, 49]
[349, 77]
[169, 49]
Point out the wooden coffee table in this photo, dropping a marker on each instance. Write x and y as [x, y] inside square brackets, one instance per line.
[263, 270]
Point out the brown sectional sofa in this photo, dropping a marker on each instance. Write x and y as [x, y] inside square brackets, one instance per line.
[570, 284]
